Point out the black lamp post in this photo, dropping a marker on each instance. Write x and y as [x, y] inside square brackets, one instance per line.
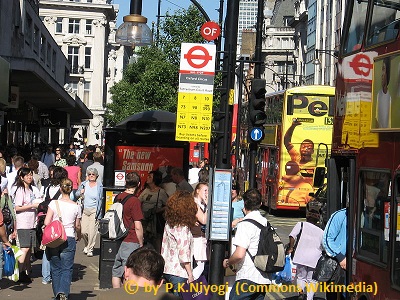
[333, 53]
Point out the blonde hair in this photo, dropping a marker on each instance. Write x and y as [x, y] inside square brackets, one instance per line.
[2, 165]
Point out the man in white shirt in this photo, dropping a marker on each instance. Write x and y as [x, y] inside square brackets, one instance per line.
[250, 282]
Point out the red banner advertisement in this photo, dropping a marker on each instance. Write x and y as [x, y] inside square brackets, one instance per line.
[145, 159]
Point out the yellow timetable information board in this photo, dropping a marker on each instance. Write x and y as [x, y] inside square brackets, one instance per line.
[195, 95]
[193, 122]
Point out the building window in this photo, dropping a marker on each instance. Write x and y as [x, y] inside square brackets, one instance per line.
[73, 26]
[73, 59]
[36, 39]
[88, 56]
[88, 27]
[59, 25]
[86, 93]
[42, 48]
[28, 30]
[48, 55]
[74, 85]
[53, 61]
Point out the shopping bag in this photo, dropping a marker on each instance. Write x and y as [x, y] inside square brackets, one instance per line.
[9, 261]
[17, 253]
[286, 274]
[194, 290]
[327, 269]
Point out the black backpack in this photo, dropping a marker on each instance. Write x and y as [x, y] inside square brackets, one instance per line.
[270, 257]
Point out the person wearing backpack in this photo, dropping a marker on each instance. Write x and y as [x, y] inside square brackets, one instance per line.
[246, 240]
[132, 218]
[3, 242]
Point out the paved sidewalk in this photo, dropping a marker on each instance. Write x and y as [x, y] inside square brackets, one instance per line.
[85, 283]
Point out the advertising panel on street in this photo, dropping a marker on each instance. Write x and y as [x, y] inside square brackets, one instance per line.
[145, 159]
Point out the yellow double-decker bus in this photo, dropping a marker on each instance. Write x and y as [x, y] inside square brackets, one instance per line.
[298, 136]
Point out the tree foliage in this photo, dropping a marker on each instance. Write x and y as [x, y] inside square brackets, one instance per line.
[151, 83]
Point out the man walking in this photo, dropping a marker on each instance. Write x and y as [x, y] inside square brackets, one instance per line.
[246, 241]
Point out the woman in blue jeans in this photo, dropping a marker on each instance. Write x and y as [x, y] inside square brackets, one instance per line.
[62, 257]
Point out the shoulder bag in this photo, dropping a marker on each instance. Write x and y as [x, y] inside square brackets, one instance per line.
[327, 269]
[54, 234]
[297, 241]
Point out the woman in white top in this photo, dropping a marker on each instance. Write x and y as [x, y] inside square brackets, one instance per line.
[62, 257]
[199, 237]
[25, 208]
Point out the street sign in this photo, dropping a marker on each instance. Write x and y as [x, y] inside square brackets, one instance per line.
[210, 31]
[195, 96]
[256, 134]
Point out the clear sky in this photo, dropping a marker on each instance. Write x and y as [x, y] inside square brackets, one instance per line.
[150, 7]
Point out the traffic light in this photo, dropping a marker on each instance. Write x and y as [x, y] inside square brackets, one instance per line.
[257, 116]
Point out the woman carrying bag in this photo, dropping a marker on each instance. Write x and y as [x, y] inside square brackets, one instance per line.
[62, 257]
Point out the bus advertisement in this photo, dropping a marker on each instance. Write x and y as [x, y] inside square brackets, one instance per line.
[298, 136]
[364, 167]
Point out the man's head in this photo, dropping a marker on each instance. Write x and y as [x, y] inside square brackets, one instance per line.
[18, 162]
[132, 180]
[252, 200]
[177, 175]
[97, 157]
[307, 147]
[145, 266]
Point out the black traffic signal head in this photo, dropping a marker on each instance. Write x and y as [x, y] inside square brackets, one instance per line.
[257, 116]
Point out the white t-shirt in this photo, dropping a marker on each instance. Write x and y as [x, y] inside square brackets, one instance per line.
[247, 236]
[309, 247]
[69, 213]
[384, 103]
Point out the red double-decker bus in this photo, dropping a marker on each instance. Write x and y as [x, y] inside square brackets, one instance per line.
[363, 171]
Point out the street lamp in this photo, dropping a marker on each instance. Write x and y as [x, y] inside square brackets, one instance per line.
[333, 53]
[134, 31]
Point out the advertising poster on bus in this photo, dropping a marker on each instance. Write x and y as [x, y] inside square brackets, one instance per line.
[386, 93]
[145, 159]
[305, 145]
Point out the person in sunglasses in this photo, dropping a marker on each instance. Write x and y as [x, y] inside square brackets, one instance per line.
[91, 193]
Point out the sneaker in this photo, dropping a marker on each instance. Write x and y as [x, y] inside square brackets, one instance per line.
[85, 250]
[61, 296]
[90, 254]
[46, 282]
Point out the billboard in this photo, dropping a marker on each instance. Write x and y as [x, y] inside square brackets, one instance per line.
[142, 160]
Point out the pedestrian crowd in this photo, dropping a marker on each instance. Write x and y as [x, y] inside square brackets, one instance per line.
[165, 219]
[40, 185]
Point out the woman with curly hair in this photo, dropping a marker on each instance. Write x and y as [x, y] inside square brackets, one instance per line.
[180, 216]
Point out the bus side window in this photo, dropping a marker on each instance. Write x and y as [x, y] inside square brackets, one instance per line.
[374, 194]
[353, 33]
[384, 25]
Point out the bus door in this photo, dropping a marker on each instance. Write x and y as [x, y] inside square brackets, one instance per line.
[394, 223]
[341, 180]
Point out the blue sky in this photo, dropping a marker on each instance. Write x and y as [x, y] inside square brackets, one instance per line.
[149, 8]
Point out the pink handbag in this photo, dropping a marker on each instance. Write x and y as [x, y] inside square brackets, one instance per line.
[54, 234]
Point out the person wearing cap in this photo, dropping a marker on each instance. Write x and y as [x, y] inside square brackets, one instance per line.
[305, 242]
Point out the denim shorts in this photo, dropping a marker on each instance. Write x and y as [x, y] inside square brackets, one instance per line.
[27, 238]
[122, 256]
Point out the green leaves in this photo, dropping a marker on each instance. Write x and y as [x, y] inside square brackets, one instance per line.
[151, 83]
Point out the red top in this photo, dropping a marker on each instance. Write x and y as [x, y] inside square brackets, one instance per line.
[132, 212]
[73, 175]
